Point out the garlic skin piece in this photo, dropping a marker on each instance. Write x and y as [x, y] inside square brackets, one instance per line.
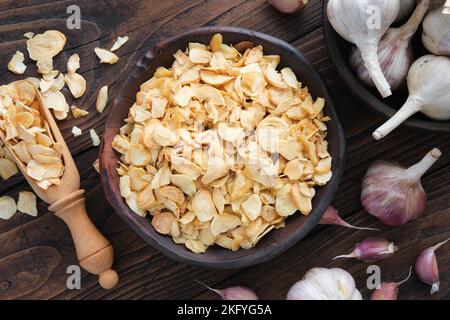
[393, 193]
[331, 217]
[350, 19]
[288, 6]
[389, 290]
[372, 249]
[426, 267]
[436, 33]
[325, 284]
[428, 84]
[394, 51]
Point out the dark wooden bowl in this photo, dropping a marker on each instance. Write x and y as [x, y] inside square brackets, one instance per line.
[276, 241]
[340, 50]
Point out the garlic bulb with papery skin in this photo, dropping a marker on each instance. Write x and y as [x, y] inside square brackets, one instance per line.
[372, 249]
[406, 8]
[288, 6]
[426, 267]
[389, 290]
[436, 33]
[429, 92]
[393, 193]
[353, 20]
[325, 284]
[331, 217]
[394, 51]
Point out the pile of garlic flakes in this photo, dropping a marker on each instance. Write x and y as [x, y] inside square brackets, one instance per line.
[28, 134]
[221, 148]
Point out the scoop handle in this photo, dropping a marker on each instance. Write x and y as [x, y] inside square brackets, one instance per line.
[94, 252]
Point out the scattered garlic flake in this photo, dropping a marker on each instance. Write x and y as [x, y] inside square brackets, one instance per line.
[96, 165]
[76, 131]
[16, 64]
[119, 42]
[76, 84]
[77, 112]
[28, 35]
[73, 64]
[106, 56]
[27, 203]
[95, 138]
[7, 168]
[46, 45]
[8, 207]
[102, 99]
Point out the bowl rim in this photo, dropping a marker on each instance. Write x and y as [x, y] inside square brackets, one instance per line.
[368, 99]
[257, 256]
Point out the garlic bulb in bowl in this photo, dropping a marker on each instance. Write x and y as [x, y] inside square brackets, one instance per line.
[436, 33]
[429, 92]
[352, 20]
[394, 51]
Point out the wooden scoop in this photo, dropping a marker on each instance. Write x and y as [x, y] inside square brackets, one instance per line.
[94, 252]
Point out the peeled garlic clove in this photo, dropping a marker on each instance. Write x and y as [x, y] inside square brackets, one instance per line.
[389, 290]
[234, 293]
[288, 6]
[349, 18]
[372, 249]
[428, 82]
[394, 51]
[331, 217]
[436, 33]
[393, 193]
[426, 267]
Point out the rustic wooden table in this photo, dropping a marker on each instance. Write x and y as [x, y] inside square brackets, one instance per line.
[35, 252]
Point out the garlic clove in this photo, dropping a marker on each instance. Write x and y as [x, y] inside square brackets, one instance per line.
[288, 6]
[393, 193]
[234, 293]
[349, 19]
[426, 267]
[372, 249]
[428, 82]
[389, 290]
[331, 217]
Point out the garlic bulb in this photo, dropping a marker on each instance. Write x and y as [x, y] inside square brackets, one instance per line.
[325, 284]
[406, 7]
[394, 51]
[288, 6]
[436, 33]
[429, 92]
[355, 22]
[426, 267]
[393, 193]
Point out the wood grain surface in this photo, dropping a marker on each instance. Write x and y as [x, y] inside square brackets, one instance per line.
[35, 252]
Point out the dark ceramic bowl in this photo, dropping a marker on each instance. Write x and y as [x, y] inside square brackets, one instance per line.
[276, 241]
[340, 50]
